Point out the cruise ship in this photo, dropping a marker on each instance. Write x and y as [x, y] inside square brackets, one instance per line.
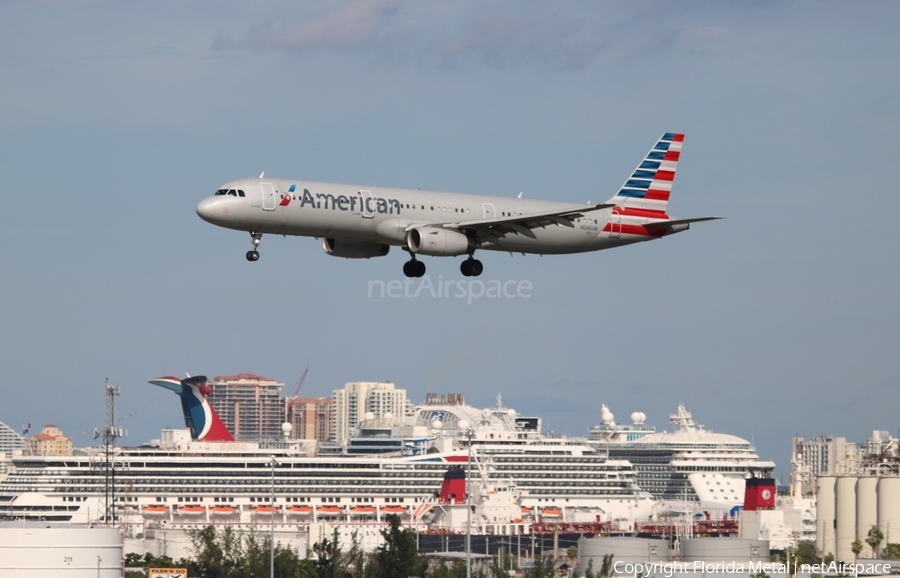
[195, 476]
[688, 470]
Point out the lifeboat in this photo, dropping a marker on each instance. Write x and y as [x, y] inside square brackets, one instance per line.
[526, 511]
[393, 510]
[329, 510]
[154, 510]
[223, 510]
[362, 510]
[264, 509]
[517, 520]
[192, 510]
[299, 510]
[551, 512]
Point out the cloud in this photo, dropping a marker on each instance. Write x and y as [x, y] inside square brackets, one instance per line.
[358, 25]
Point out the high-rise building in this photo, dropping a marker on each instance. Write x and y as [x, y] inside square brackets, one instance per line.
[249, 405]
[10, 441]
[821, 455]
[49, 442]
[360, 397]
[310, 416]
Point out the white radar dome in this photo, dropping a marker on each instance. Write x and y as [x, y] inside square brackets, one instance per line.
[463, 424]
[369, 416]
[512, 413]
[437, 424]
[388, 415]
[286, 428]
[486, 413]
[638, 418]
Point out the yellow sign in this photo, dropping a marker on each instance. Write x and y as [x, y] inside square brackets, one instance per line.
[167, 572]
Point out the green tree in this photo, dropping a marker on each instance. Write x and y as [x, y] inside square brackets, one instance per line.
[606, 567]
[543, 567]
[856, 547]
[396, 557]
[589, 571]
[874, 540]
[328, 557]
[892, 551]
[806, 553]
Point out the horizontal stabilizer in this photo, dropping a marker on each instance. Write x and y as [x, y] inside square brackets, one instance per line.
[665, 224]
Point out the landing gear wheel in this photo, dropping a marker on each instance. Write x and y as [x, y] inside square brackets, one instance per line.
[471, 267]
[414, 268]
[253, 255]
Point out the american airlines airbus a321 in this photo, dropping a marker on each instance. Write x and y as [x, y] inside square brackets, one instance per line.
[362, 222]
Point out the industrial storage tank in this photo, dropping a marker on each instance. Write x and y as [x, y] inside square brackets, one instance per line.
[845, 514]
[623, 549]
[825, 487]
[724, 550]
[866, 506]
[889, 509]
[38, 549]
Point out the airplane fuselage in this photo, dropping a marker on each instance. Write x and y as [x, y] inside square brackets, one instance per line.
[384, 215]
[363, 222]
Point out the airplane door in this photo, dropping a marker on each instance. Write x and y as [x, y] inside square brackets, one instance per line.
[268, 193]
[368, 208]
[615, 225]
[489, 212]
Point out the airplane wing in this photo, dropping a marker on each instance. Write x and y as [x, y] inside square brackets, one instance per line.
[519, 224]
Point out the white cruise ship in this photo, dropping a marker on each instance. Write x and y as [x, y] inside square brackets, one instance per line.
[691, 469]
[188, 480]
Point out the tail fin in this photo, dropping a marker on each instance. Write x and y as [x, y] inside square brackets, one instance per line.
[199, 416]
[650, 184]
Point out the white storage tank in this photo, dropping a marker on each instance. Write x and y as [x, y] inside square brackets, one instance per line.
[39, 549]
[825, 487]
[624, 549]
[889, 509]
[866, 509]
[724, 550]
[845, 516]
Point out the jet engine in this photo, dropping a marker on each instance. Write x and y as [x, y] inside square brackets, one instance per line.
[353, 249]
[438, 242]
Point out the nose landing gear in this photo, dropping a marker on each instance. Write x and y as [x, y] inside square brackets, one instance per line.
[253, 254]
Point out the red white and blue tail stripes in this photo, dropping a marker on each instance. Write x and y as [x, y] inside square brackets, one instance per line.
[650, 184]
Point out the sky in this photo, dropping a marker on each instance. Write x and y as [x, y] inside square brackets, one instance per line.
[117, 118]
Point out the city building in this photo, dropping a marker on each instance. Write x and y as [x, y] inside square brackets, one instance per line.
[49, 442]
[250, 405]
[10, 441]
[310, 416]
[356, 399]
[821, 455]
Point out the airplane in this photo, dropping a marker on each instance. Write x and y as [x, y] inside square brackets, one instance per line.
[361, 222]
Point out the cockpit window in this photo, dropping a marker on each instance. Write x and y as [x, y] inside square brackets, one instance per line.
[240, 193]
[222, 191]
[232, 193]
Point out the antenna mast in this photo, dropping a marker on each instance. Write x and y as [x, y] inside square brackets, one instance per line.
[110, 433]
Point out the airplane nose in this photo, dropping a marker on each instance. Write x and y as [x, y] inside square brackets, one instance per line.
[206, 210]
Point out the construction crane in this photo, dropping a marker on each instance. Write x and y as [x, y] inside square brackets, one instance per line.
[300, 383]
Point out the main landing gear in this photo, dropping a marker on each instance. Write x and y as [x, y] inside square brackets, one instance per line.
[253, 255]
[414, 268]
[471, 267]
